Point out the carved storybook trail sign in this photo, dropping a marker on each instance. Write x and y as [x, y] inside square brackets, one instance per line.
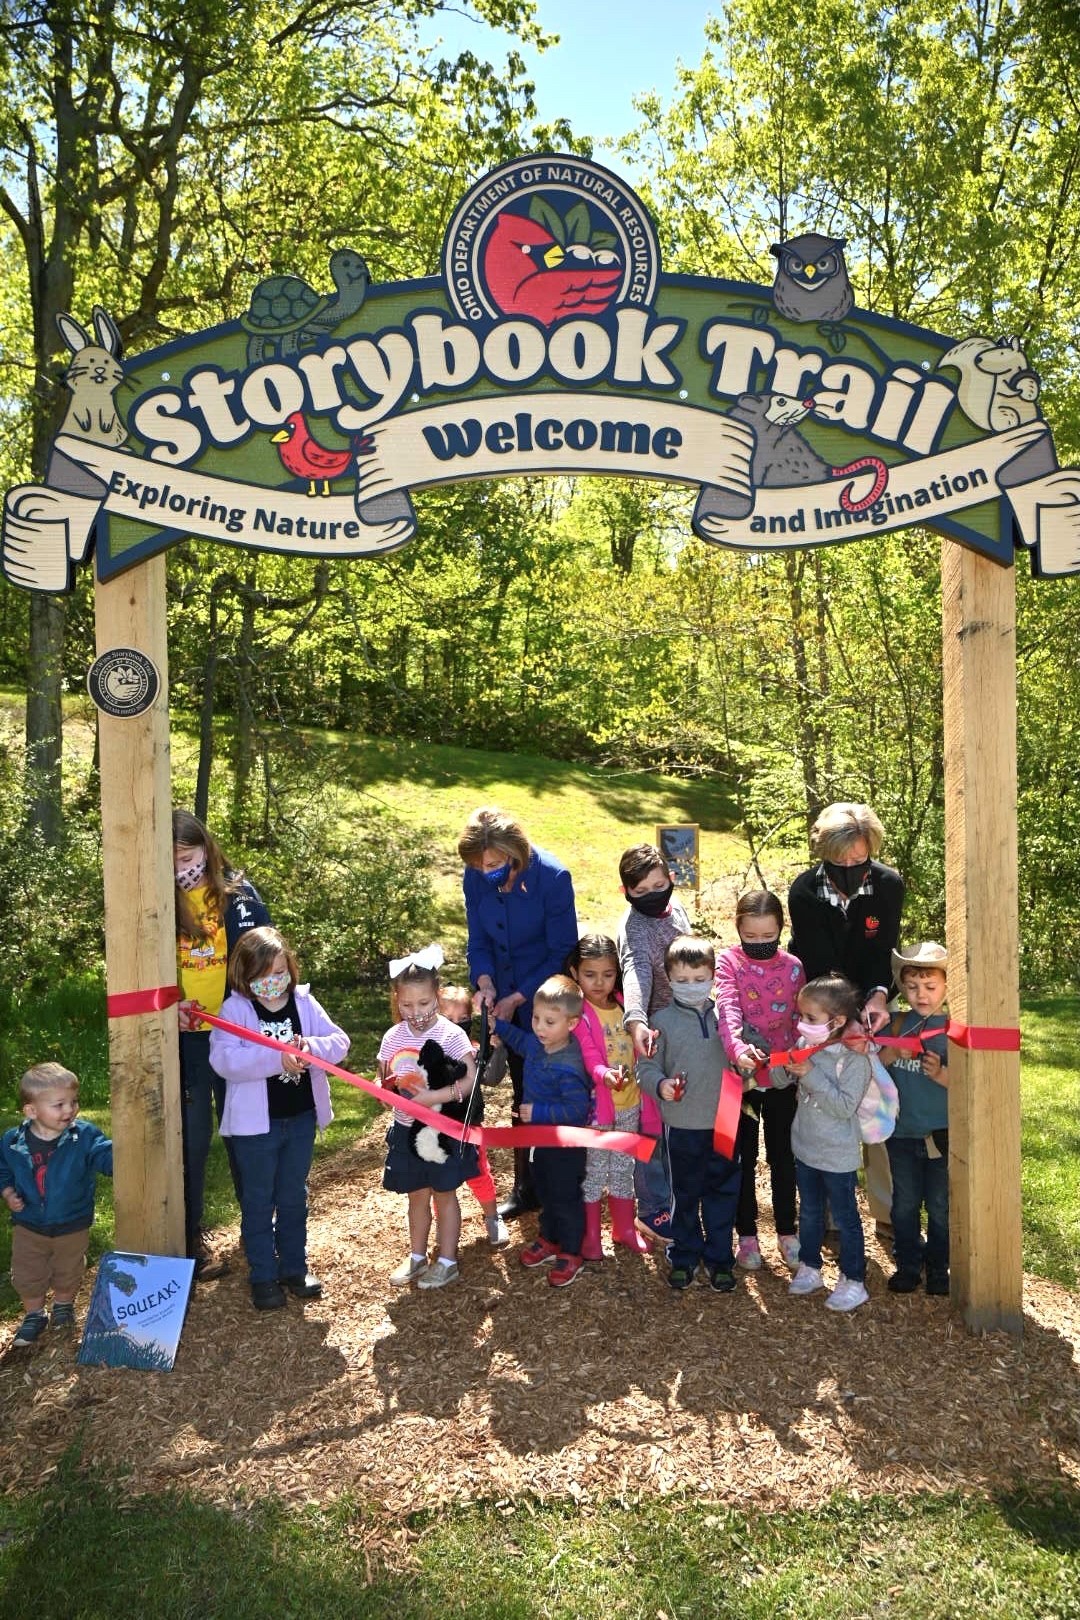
[550, 343]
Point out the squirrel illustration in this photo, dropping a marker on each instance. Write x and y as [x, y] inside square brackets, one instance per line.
[997, 388]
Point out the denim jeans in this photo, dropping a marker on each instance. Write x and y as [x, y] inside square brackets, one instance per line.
[652, 1182]
[706, 1190]
[273, 1211]
[202, 1094]
[558, 1174]
[918, 1179]
[835, 1188]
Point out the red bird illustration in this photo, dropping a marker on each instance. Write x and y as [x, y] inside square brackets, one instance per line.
[528, 273]
[305, 457]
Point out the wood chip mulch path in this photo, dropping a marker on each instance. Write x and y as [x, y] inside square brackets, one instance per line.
[499, 1387]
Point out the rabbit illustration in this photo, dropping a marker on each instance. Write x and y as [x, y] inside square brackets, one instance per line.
[93, 376]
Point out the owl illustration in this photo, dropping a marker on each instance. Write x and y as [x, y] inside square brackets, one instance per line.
[811, 278]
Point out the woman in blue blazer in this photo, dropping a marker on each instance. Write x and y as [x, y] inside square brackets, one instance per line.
[519, 906]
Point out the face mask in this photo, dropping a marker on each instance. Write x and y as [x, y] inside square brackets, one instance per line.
[271, 986]
[847, 878]
[499, 876]
[694, 994]
[653, 904]
[760, 950]
[813, 1034]
[189, 877]
[422, 1021]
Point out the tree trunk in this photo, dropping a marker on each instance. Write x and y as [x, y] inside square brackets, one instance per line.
[44, 716]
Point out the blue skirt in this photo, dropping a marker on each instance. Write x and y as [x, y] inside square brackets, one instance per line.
[404, 1172]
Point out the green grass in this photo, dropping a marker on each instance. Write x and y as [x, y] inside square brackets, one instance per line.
[583, 814]
[1050, 1139]
[84, 1550]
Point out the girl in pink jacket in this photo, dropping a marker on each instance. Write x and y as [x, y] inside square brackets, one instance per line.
[757, 988]
[608, 1051]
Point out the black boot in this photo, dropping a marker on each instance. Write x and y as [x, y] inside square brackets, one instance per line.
[523, 1195]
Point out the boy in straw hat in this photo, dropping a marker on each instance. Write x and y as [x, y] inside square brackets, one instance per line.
[919, 1146]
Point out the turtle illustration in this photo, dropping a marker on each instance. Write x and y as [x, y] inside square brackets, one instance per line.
[285, 312]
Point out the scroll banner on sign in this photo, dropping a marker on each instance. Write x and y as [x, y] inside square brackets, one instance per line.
[45, 530]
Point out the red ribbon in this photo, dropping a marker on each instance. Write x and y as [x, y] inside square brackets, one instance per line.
[130, 1002]
[975, 1037]
[640, 1147]
[728, 1108]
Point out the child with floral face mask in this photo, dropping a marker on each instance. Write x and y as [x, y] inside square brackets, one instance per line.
[273, 1103]
[825, 1137]
[757, 989]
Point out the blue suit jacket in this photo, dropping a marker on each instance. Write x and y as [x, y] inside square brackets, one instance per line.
[524, 936]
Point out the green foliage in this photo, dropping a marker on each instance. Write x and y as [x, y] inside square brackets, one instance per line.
[50, 898]
[84, 1547]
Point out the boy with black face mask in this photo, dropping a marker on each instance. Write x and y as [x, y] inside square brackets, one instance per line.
[653, 919]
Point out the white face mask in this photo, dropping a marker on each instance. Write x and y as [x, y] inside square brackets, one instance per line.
[692, 993]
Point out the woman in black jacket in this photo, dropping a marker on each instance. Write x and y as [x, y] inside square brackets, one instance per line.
[845, 917]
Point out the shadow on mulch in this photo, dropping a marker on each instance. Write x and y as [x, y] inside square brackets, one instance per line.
[499, 1386]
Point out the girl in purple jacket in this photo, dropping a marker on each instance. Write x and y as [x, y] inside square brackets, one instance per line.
[273, 1103]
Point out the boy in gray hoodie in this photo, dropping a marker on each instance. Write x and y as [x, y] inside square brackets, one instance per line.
[684, 1074]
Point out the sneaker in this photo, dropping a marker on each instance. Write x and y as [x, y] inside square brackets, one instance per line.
[807, 1280]
[789, 1250]
[937, 1282]
[565, 1270]
[498, 1236]
[847, 1295]
[408, 1271]
[438, 1275]
[657, 1228]
[904, 1281]
[680, 1277]
[748, 1254]
[539, 1253]
[722, 1279]
[303, 1286]
[267, 1296]
[63, 1316]
[30, 1329]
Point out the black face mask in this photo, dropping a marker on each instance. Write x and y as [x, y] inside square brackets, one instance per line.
[847, 878]
[654, 904]
[760, 950]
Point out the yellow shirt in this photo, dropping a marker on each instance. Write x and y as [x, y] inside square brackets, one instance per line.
[201, 963]
[619, 1046]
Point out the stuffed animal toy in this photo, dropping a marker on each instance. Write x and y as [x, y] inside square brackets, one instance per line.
[438, 1071]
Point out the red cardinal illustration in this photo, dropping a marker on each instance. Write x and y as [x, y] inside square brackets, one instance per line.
[528, 273]
[305, 457]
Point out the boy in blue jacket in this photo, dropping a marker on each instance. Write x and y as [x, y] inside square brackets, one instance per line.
[555, 1091]
[48, 1165]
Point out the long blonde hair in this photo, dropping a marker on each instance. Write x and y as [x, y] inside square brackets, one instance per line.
[221, 881]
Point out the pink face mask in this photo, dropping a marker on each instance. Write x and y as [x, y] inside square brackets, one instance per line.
[190, 876]
[813, 1034]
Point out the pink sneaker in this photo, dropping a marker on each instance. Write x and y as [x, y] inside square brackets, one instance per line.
[789, 1250]
[748, 1254]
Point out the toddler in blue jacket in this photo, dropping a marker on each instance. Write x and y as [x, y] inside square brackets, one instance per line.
[48, 1166]
[555, 1091]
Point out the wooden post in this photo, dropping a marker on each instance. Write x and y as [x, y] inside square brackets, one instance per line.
[140, 931]
[982, 933]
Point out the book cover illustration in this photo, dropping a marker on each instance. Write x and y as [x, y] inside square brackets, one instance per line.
[137, 1311]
